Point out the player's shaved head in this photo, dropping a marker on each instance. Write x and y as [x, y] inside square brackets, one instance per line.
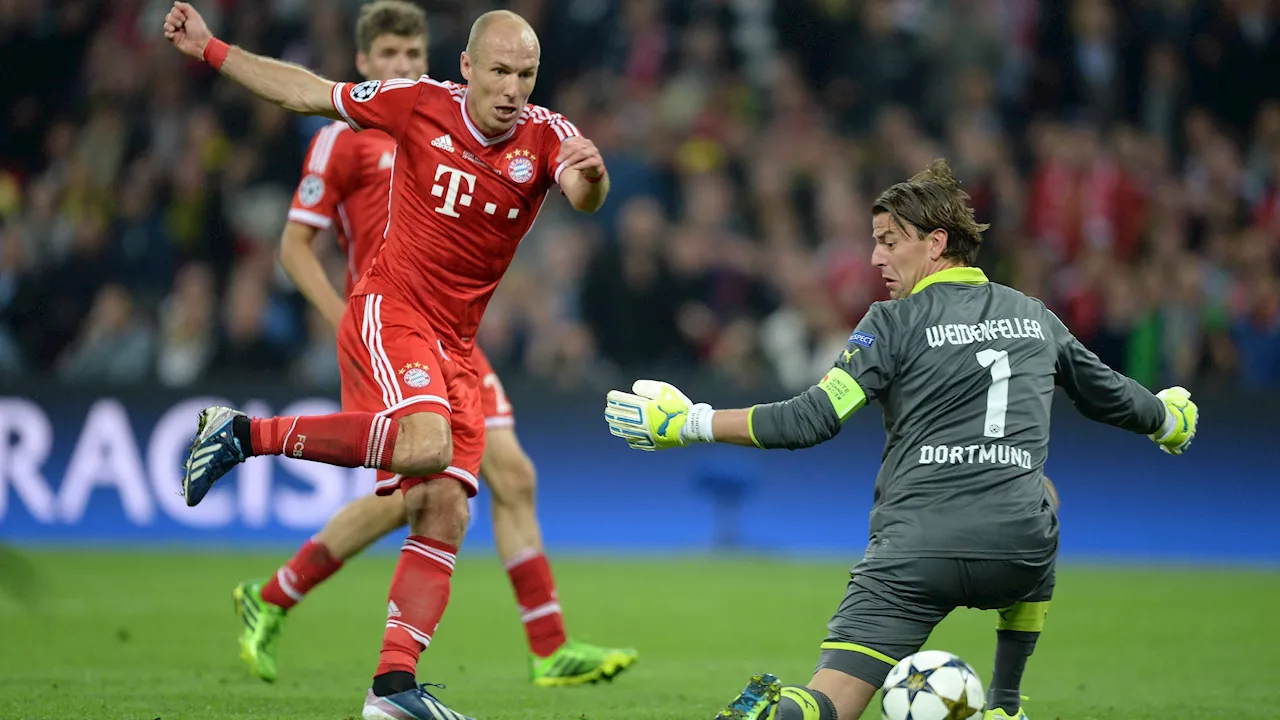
[503, 27]
[500, 66]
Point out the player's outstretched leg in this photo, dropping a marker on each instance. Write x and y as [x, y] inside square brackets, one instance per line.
[1017, 631]
[226, 437]
[262, 605]
[214, 452]
[554, 659]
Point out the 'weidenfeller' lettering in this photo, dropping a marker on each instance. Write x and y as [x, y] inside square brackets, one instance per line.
[984, 331]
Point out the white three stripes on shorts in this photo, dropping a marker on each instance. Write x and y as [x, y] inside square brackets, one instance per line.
[384, 375]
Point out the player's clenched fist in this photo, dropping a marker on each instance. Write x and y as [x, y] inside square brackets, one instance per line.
[582, 155]
[1181, 416]
[188, 32]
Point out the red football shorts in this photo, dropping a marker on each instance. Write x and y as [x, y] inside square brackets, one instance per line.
[392, 364]
[498, 412]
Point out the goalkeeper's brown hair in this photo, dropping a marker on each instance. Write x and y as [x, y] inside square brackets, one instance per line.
[389, 17]
[932, 200]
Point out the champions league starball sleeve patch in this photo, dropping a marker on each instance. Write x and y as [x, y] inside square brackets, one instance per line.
[365, 91]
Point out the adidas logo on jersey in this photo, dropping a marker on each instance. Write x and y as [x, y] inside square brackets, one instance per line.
[392, 610]
[444, 142]
[386, 161]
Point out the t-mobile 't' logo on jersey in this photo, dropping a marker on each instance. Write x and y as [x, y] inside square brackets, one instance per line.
[452, 197]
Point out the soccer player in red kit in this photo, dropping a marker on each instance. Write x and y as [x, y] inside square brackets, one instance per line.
[345, 184]
[472, 166]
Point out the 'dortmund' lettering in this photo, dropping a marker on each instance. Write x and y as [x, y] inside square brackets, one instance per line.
[974, 454]
[985, 331]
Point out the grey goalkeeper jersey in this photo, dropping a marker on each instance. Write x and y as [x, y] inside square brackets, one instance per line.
[965, 372]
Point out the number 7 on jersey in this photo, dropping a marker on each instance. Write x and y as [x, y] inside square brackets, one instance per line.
[998, 393]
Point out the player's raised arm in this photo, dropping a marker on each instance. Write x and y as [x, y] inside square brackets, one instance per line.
[1100, 393]
[656, 415]
[289, 86]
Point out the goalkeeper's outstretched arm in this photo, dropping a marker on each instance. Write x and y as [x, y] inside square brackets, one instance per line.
[805, 420]
[289, 86]
[657, 415]
[1169, 417]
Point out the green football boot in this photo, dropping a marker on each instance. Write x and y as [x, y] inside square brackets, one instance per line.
[756, 701]
[577, 663]
[1000, 714]
[262, 624]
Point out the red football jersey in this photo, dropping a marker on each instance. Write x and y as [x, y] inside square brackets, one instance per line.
[346, 185]
[460, 202]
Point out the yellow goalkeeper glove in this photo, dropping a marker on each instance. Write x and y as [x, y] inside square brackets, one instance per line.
[657, 416]
[1179, 427]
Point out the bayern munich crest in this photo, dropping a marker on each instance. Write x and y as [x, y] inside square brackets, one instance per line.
[415, 375]
[520, 165]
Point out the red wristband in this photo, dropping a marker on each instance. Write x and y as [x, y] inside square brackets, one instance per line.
[598, 178]
[216, 52]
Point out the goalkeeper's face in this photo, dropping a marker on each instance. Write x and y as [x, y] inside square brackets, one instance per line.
[901, 255]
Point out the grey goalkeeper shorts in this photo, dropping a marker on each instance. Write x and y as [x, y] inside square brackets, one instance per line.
[892, 604]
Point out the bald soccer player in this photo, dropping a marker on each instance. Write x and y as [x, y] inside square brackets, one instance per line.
[346, 177]
[471, 167]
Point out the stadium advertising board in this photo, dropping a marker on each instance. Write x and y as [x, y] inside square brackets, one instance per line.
[83, 467]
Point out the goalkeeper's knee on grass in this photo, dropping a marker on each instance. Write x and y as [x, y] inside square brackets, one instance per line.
[801, 703]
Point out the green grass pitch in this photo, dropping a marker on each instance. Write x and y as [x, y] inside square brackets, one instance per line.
[139, 636]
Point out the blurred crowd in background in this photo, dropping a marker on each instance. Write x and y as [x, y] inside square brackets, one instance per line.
[1125, 152]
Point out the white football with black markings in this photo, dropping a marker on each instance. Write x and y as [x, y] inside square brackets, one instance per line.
[932, 685]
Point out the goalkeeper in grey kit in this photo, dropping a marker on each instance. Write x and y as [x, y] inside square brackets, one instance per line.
[964, 370]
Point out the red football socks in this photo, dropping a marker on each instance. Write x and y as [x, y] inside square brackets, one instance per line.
[312, 565]
[347, 439]
[530, 575]
[419, 594]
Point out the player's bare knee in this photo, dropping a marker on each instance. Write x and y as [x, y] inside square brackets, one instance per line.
[424, 445]
[438, 509]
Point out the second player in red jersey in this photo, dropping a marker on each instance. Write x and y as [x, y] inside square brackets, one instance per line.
[347, 176]
[471, 168]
